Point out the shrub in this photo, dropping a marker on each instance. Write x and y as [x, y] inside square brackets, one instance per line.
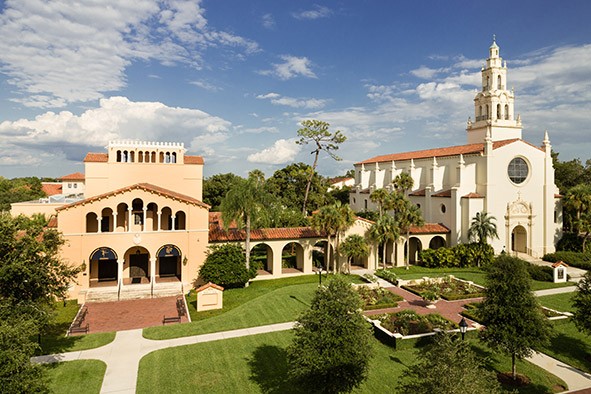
[377, 298]
[408, 322]
[225, 265]
[576, 259]
[388, 275]
[461, 255]
[572, 242]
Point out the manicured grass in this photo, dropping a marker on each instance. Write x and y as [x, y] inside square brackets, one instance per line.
[559, 302]
[257, 364]
[54, 339]
[261, 303]
[75, 376]
[570, 345]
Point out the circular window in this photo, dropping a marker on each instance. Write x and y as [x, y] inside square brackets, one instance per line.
[518, 170]
[443, 208]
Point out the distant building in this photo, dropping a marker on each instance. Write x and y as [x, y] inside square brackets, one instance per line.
[497, 172]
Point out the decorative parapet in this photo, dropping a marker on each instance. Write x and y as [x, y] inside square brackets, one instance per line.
[145, 144]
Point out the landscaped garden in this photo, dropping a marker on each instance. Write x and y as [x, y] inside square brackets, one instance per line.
[408, 322]
[377, 298]
[446, 287]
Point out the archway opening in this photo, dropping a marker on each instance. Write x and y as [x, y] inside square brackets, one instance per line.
[319, 255]
[416, 248]
[137, 259]
[261, 257]
[168, 263]
[519, 239]
[292, 258]
[103, 268]
[437, 242]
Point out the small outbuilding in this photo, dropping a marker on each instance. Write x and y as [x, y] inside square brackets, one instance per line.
[559, 269]
[209, 296]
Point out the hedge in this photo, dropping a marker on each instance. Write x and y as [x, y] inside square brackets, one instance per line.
[461, 255]
[575, 259]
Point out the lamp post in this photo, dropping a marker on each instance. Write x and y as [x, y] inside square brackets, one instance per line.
[320, 275]
[463, 327]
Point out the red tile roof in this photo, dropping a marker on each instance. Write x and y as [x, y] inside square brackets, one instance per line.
[558, 196]
[418, 193]
[440, 152]
[444, 193]
[338, 179]
[473, 195]
[193, 159]
[52, 222]
[96, 157]
[218, 234]
[51, 189]
[208, 285]
[430, 228]
[77, 176]
[559, 264]
[143, 186]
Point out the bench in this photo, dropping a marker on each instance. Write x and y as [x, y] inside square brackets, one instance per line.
[174, 319]
[78, 329]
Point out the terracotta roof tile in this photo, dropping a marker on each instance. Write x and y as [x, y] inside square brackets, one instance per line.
[430, 228]
[473, 195]
[193, 159]
[143, 186]
[96, 157]
[444, 193]
[440, 152]
[51, 189]
[77, 176]
[218, 234]
[52, 222]
[208, 285]
[558, 196]
[559, 264]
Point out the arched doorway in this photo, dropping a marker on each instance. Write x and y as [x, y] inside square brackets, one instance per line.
[103, 266]
[168, 263]
[415, 250]
[261, 257]
[138, 259]
[292, 258]
[436, 242]
[319, 252]
[519, 239]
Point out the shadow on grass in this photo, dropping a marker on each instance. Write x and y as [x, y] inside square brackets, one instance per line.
[572, 348]
[268, 369]
[300, 301]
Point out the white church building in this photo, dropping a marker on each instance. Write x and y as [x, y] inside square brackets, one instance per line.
[496, 171]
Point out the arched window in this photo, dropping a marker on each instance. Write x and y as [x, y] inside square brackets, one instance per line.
[174, 157]
[153, 160]
[506, 111]
[167, 157]
[119, 156]
[132, 157]
[140, 157]
[487, 82]
[124, 159]
[487, 113]
[180, 222]
[499, 85]
[499, 111]
[161, 157]
[91, 223]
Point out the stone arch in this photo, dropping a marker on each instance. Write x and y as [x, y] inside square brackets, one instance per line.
[166, 219]
[122, 216]
[91, 222]
[261, 257]
[415, 247]
[103, 265]
[437, 242]
[137, 261]
[292, 257]
[168, 261]
[107, 218]
[180, 222]
[519, 239]
[319, 254]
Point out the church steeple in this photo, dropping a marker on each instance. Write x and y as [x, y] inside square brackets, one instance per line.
[493, 105]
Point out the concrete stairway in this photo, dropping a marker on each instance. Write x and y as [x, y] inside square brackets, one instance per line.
[134, 292]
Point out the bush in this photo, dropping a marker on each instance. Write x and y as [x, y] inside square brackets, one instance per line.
[387, 275]
[570, 242]
[225, 265]
[461, 255]
[408, 322]
[576, 259]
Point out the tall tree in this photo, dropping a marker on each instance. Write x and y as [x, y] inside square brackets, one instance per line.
[316, 132]
[328, 221]
[408, 215]
[448, 366]
[354, 246]
[482, 228]
[380, 198]
[577, 204]
[346, 219]
[332, 349]
[510, 311]
[582, 304]
[244, 203]
[215, 189]
[385, 229]
[19, 189]
[403, 182]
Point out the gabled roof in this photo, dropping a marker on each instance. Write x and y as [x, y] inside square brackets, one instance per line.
[96, 158]
[140, 186]
[469, 149]
[77, 176]
[473, 195]
[444, 193]
[208, 285]
[418, 193]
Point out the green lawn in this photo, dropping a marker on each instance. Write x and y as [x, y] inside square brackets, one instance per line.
[257, 364]
[570, 346]
[559, 302]
[54, 339]
[473, 274]
[75, 376]
[261, 303]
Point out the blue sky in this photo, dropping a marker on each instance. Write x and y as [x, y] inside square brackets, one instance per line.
[232, 79]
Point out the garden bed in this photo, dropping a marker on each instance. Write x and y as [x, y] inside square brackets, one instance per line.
[448, 288]
[408, 322]
[377, 298]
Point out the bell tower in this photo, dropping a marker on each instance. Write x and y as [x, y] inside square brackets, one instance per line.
[493, 105]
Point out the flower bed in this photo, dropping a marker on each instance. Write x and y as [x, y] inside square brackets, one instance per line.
[447, 288]
[377, 298]
[408, 322]
[387, 275]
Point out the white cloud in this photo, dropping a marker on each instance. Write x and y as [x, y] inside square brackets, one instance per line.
[316, 13]
[425, 72]
[268, 21]
[307, 103]
[206, 86]
[292, 67]
[115, 118]
[282, 151]
[263, 129]
[60, 52]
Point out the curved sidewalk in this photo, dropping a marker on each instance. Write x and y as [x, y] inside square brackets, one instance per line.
[123, 355]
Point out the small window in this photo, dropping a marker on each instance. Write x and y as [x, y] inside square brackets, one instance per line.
[105, 224]
[69, 185]
[138, 218]
[75, 185]
[419, 206]
[443, 208]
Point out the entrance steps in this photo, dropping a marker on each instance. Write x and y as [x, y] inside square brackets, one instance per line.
[134, 292]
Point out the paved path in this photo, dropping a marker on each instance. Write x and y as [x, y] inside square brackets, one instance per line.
[123, 355]
[574, 378]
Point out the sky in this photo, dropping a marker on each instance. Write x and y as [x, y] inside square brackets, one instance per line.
[233, 79]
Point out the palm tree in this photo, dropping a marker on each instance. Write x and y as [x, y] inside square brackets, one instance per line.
[244, 203]
[346, 219]
[403, 182]
[354, 246]
[383, 230]
[379, 197]
[408, 215]
[326, 220]
[482, 228]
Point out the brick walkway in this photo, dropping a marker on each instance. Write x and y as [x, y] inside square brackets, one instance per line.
[130, 314]
[448, 309]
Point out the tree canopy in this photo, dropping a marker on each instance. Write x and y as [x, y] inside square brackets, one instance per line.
[510, 311]
[332, 346]
[582, 304]
[482, 228]
[225, 265]
[215, 189]
[19, 189]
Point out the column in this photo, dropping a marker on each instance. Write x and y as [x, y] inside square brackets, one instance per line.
[159, 220]
[114, 221]
[129, 217]
[144, 219]
[120, 265]
[173, 224]
[98, 221]
[152, 269]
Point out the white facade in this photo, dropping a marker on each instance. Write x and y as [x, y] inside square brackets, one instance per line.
[496, 172]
